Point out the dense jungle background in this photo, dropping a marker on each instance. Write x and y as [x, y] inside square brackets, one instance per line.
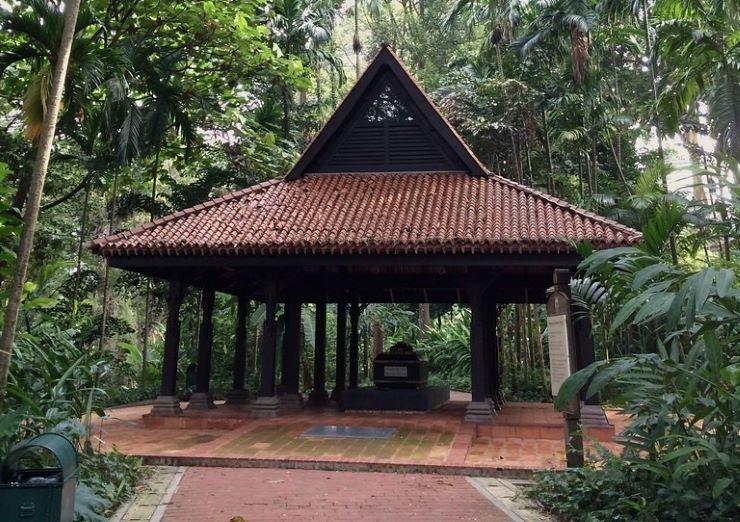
[628, 108]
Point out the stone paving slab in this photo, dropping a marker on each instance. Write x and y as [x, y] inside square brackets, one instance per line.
[507, 495]
[152, 497]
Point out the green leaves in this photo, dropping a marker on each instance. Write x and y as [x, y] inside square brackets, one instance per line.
[573, 385]
[665, 221]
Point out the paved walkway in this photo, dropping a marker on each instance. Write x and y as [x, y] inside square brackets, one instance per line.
[229, 494]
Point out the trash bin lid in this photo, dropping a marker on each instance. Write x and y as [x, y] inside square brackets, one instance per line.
[58, 445]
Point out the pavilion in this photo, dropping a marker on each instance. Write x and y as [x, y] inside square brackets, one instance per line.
[387, 204]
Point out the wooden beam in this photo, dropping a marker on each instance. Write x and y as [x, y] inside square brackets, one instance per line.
[301, 260]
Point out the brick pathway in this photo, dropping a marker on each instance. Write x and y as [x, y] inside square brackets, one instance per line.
[220, 494]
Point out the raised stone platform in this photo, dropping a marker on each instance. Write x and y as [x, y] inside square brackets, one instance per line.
[390, 399]
[523, 437]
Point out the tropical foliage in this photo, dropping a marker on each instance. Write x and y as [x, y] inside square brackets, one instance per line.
[626, 108]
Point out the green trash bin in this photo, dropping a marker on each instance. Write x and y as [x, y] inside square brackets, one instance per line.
[38, 480]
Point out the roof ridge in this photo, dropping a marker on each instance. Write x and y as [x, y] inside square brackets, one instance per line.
[564, 204]
[101, 240]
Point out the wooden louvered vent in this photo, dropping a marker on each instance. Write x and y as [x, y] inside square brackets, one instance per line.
[386, 134]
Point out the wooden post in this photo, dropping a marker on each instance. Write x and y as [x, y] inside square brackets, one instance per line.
[341, 361]
[318, 395]
[479, 409]
[291, 398]
[201, 398]
[167, 403]
[354, 343]
[238, 394]
[267, 403]
[563, 361]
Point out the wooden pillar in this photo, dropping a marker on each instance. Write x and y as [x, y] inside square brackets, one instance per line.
[479, 409]
[563, 354]
[318, 395]
[291, 397]
[267, 403]
[238, 394]
[168, 403]
[341, 359]
[201, 398]
[354, 343]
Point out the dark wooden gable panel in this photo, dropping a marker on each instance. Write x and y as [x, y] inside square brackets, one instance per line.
[401, 147]
[387, 132]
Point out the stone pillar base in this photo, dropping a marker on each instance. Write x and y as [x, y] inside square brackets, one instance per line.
[201, 401]
[237, 397]
[479, 412]
[318, 398]
[291, 401]
[166, 406]
[263, 407]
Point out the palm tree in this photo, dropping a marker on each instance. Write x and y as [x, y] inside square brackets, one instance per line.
[300, 27]
[37, 29]
[38, 26]
[500, 18]
[567, 23]
[701, 56]
[45, 142]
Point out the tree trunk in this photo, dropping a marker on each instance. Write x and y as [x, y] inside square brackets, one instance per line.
[548, 151]
[30, 218]
[148, 299]
[356, 43]
[377, 337]
[106, 276]
[286, 111]
[540, 350]
[654, 83]
[80, 247]
[424, 318]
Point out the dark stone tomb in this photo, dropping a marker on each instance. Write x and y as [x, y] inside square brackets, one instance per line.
[400, 377]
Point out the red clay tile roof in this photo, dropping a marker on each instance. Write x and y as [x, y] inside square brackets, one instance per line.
[381, 213]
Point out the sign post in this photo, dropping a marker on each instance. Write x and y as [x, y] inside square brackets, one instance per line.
[563, 362]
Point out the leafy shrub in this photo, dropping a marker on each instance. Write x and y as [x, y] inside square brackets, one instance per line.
[681, 449]
[55, 385]
[609, 491]
[106, 479]
[447, 347]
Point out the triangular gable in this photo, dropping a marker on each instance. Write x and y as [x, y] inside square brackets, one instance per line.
[386, 124]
